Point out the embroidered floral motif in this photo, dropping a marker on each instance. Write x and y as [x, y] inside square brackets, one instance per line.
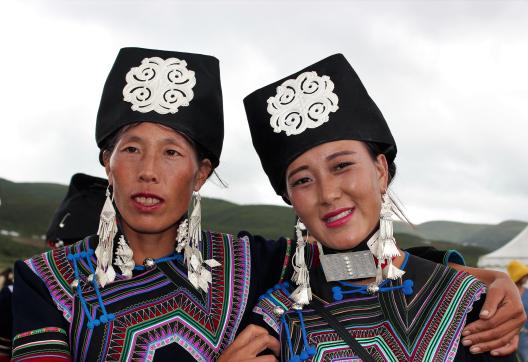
[301, 103]
[159, 85]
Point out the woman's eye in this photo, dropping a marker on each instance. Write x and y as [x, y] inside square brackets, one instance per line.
[300, 181]
[130, 149]
[172, 153]
[342, 165]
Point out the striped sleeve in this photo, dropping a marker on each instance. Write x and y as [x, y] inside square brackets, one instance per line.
[48, 343]
[39, 328]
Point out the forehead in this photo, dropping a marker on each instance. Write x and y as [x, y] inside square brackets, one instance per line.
[150, 131]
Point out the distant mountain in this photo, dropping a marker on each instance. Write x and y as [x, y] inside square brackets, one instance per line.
[495, 236]
[486, 236]
[267, 220]
[471, 253]
[28, 207]
[442, 230]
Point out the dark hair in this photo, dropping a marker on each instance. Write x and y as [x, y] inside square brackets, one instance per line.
[375, 149]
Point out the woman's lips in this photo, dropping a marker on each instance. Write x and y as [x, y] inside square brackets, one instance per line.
[338, 217]
[147, 202]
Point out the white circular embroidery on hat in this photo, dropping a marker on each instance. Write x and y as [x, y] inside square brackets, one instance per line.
[301, 103]
[159, 85]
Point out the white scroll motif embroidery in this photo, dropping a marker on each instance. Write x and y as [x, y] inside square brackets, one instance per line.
[301, 103]
[159, 85]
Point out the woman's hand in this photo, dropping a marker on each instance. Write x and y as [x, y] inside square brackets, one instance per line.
[501, 316]
[248, 344]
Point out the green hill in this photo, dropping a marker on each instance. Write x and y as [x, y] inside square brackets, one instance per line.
[442, 230]
[485, 236]
[266, 220]
[11, 250]
[471, 253]
[495, 236]
[27, 208]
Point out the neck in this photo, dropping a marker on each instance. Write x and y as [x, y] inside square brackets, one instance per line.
[398, 261]
[359, 247]
[152, 246]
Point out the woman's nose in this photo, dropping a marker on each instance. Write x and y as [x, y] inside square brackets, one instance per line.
[148, 169]
[329, 190]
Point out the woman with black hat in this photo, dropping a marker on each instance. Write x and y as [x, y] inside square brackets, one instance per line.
[126, 294]
[328, 151]
[150, 285]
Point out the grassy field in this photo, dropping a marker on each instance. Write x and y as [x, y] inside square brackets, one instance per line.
[27, 208]
[11, 250]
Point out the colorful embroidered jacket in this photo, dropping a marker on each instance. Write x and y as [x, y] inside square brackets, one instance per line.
[417, 318]
[157, 315]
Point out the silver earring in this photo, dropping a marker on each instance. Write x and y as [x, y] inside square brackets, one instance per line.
[384, 246]
[182, 240]
[124, 258]
[107, 231]
[303, 293]
[189, 239]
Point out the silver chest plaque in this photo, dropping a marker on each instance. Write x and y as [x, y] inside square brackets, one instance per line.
[351, 265]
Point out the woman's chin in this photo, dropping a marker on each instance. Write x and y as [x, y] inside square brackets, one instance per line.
[148, 226]
[341, 245]
[344, 240]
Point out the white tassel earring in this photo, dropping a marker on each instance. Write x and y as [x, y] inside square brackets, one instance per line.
[124, 258]
[107, 230]
[303, 293]
[384, 247]
[189, 239]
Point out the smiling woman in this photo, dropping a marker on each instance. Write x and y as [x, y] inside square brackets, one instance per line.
[334, 171]
[328, 151]
[151, 285]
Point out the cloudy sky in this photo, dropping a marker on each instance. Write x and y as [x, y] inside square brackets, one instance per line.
[449, 76]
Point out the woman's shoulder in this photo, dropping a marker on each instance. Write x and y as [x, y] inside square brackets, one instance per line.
[438, 286]
[54, 267]
[428, 273]
[59, 255]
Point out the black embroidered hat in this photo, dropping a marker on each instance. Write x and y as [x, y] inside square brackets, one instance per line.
[322, 103]
[78, 214]
[178, 90]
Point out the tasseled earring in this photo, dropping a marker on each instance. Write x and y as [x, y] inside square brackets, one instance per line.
[303, 294]
[384, 246]
[183, 236]
[124, 258]
[107, 230]
[189, 238]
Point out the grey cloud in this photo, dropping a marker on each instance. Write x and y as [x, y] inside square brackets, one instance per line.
[449, 77]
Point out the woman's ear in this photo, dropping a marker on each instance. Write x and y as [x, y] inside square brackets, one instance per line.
[106, 163]
[382, 170]
[204, 170]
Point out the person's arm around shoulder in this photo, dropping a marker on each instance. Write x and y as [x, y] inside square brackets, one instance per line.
[501, 316]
